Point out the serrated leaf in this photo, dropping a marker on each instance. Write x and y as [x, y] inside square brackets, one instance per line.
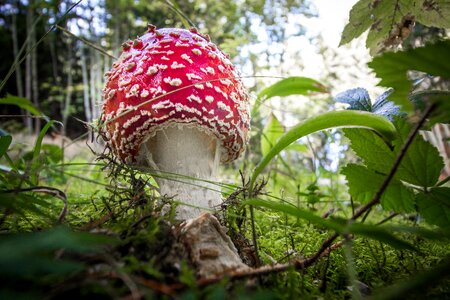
[370, 147]
[434, 13]
[422, 163]
[358, 21]
[389, 22]
[420, 166]
[23, 103]
[5, 141]
[364, 183]
[358, 99]
[392, 68]
[385, 107]
[441, 114]
[434, 206]
[270, 135]
[289, 86]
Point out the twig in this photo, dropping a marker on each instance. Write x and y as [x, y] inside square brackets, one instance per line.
[103, 51]
[391, 216]
[46, 190]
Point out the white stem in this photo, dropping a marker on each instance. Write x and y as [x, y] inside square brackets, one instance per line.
[185, 151]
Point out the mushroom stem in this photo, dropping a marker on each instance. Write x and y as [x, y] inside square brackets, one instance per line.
[191, 159]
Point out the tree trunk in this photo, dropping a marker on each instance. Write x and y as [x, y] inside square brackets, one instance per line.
[28, 90]
[93, 65]
[86, 100]
[34, 81]
[15, 41]
[67, 102]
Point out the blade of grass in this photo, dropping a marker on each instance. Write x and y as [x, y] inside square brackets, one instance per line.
[343, 118]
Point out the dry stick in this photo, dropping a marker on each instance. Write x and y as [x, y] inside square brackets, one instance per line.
[46, 190]
[99, 49]
[327, 245]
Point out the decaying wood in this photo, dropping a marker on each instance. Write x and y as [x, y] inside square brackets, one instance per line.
[208, 247]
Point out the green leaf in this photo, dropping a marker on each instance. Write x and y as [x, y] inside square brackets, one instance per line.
[389, 22]
[294, 211]
[5, 141]
[26, 255]
[380, 234]
[434, 206]
[343, 118]
[435, 234]
[421, 165]
[270, 135]
[441, 114]
[385, 107]
[358, 21]
[23, 103]
[289, 86]
[370, 147]
[37, 149]
[358, 99]
[364, 183]
[392, 68]
[302, 148]
[414, 286]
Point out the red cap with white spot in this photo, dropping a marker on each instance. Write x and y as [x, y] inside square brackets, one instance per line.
[173, 76]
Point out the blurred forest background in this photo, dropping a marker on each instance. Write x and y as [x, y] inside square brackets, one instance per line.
[54, 57]
[63, 73]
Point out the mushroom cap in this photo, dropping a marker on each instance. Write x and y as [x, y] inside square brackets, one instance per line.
[173, 77]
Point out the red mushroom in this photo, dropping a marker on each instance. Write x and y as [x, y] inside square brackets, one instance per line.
[174, 102]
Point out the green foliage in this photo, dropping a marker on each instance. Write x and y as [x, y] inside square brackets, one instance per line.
[296, 212]
[5, 142]
[359, 99]
[370, 231]
[23, 103]
[33, 253]
[364, 183]
[304, 201]
[287, 87]
[420, 167]
[392, 68]
[390, 21]
[326, 121]
[434, 206]
[270, 135]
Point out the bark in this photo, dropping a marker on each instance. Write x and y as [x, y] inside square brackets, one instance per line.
[16, 51]
[28, 88]
[34, 81]
[207, 247]
[92, 71]
[86, 100]
[67, 101]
